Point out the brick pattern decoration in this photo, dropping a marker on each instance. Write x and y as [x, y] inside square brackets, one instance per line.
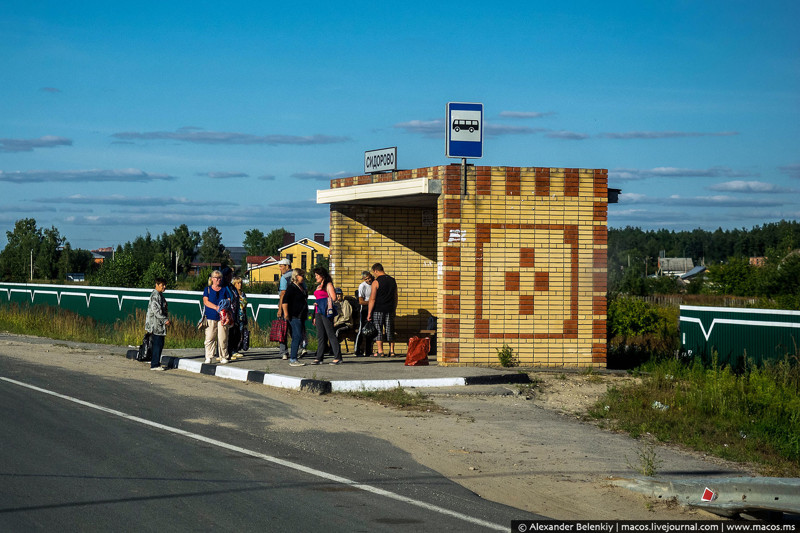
[519, 260]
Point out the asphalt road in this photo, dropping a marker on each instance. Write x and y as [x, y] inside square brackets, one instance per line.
[130, 458]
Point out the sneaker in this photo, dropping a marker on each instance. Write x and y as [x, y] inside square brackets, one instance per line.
[207, 361]
[157, 368]
[285, 357]
[296, 363]
[224, 361]
[303, 352]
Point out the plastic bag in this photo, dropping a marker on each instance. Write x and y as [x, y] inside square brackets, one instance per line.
[146, 348]
[418, 351]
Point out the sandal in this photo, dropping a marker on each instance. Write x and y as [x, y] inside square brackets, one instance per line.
[392, 354]
[377, 354]
[336, 362]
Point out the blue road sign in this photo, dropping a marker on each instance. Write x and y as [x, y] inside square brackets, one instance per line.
[464, 130]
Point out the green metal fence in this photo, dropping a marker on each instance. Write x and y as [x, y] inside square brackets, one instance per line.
[758, 334]
[109, 304]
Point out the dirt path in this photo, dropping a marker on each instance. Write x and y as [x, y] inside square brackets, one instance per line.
[528, 451]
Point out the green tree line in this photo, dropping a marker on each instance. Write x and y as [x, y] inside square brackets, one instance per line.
[633, 257]
[44, 254]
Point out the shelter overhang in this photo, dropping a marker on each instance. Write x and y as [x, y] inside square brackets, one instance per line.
[416, 192]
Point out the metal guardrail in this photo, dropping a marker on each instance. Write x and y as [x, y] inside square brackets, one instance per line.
[723, 496]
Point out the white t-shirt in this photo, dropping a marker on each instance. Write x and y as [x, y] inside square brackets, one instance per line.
[364, 290]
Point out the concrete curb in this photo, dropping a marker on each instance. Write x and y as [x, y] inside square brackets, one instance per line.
[318, 386]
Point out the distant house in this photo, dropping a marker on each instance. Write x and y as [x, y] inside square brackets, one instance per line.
[101, 254]
[758, 261]
[196, 267]
[266, 272]
[674, 266]
[305, 254]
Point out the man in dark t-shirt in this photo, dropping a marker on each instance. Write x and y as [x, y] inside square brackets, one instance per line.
[382, 307]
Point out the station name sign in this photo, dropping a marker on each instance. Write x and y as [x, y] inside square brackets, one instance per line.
[382, 160]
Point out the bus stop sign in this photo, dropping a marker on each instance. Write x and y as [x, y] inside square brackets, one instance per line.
[464, 130]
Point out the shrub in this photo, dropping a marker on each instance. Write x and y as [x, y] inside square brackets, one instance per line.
[506, 356]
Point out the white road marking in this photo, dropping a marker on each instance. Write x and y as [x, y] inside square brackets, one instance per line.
[269, 458]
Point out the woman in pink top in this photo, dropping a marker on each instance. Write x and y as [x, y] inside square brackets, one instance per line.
[323, 316]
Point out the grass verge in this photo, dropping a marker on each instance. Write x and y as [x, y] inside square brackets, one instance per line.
[399, 398]
[60, 324]
[752, 417]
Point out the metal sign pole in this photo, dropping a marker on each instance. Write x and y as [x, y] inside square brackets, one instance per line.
[464, 176]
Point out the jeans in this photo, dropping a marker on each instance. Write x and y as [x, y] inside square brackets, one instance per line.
[296, 325]
[283, 348]
[158, 347]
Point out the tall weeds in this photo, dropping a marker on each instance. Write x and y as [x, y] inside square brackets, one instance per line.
[751, 416]
[56, 323]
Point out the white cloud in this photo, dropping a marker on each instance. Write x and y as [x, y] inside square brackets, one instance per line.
[719, 200]
[194, 135]
[28, 145]
[792, 171]
[222, 175]
[428, 128]
[319, 176]
[567, 135]
[155, 202]
[119, 175]
[495, 130]
[526, 114]
[674, 172]
[664, 134]
[748, 187]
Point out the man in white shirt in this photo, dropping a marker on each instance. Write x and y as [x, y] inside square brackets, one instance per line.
[364, 291]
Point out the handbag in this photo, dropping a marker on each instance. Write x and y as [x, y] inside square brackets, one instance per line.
[369, 329]
[277, 331]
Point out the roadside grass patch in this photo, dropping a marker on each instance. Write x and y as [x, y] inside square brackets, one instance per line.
[60, 324]
[750, 417]
[649, 462]
[399, 398]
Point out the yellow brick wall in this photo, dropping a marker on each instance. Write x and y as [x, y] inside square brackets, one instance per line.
[403, 240]
[520, 260]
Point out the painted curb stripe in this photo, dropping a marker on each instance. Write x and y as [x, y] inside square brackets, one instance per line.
[322, 386]
[385, 384]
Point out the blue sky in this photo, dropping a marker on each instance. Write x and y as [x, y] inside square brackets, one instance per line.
[122, 118]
